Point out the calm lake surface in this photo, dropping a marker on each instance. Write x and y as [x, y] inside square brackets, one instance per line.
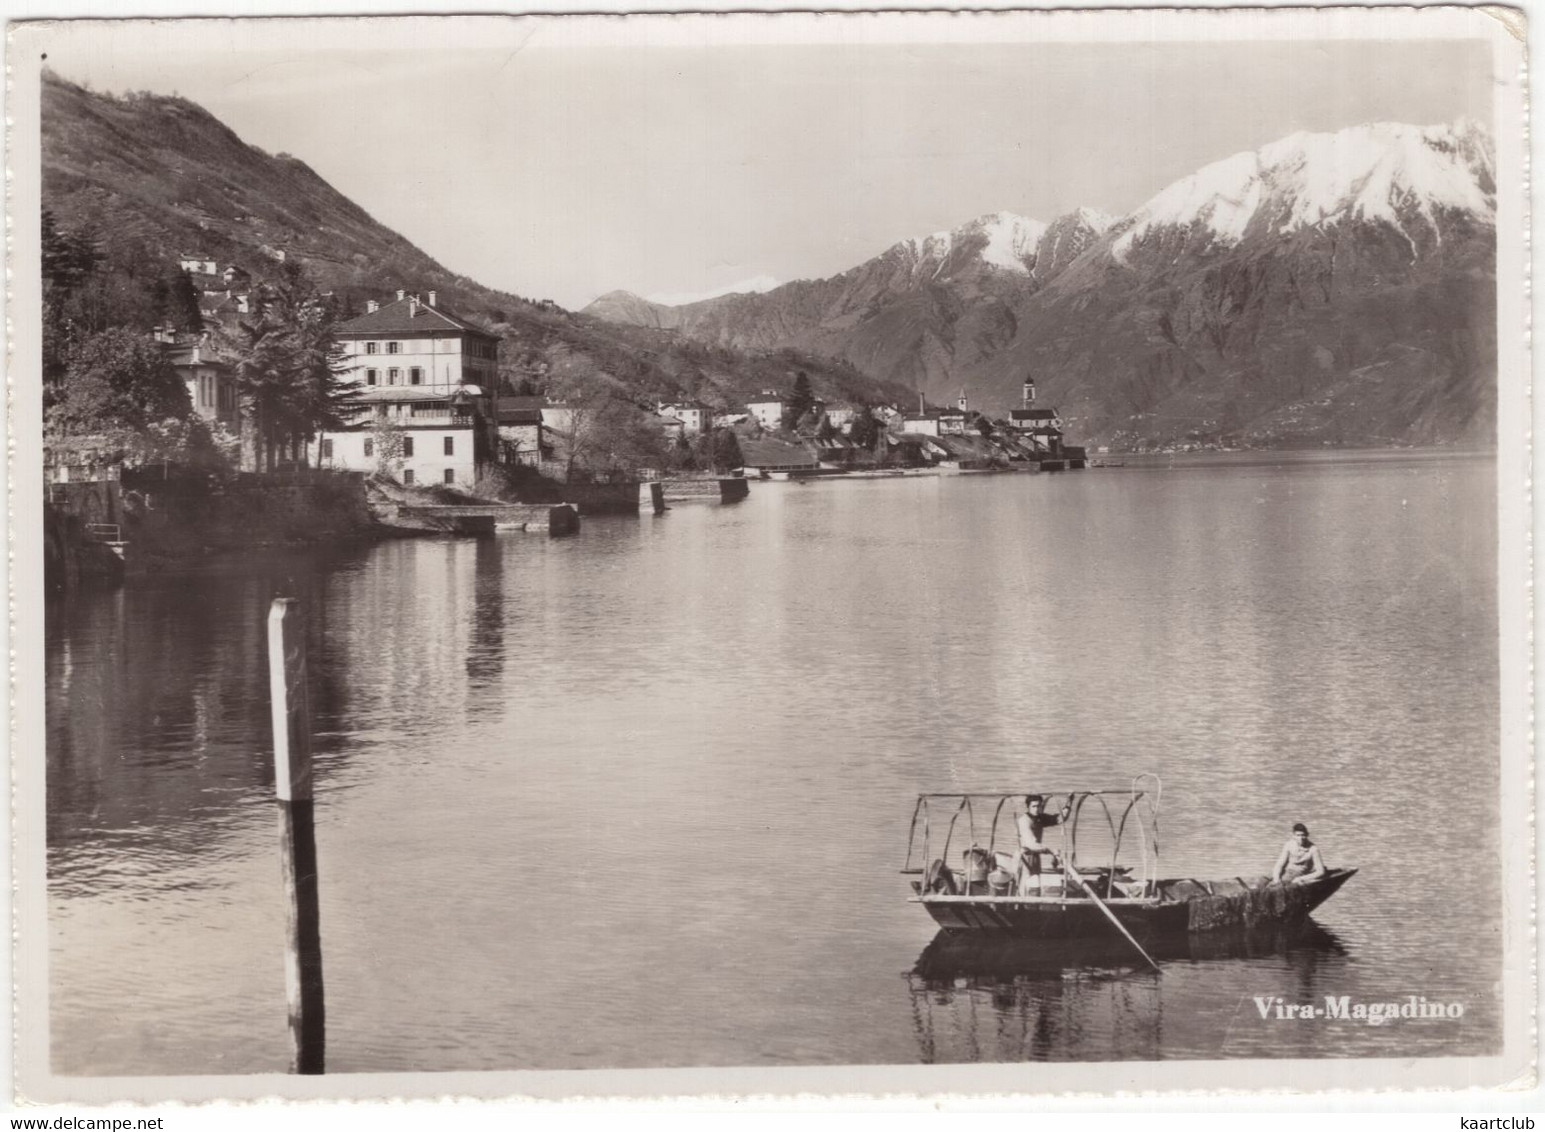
[639, 797]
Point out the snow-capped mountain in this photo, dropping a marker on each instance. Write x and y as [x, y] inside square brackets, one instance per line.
[1326, 287]
[1400, 175]
[1001, 240]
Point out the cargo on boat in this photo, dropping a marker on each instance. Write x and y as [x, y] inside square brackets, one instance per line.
[1009, 876]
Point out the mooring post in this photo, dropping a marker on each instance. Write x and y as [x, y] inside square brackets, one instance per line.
[297, 834]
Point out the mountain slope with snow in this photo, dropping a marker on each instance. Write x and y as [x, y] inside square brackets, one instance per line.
[1325, 288]
[1401, 175]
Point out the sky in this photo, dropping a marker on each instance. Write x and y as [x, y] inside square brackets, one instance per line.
[563, 167]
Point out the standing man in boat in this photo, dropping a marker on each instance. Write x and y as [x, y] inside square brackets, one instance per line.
[1032, 824]
[1300, 859]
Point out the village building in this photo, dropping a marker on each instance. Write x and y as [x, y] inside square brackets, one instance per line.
[767, 408]
[558, 416]
[522, 435]
[693, 415]
[417, 436]
[765, 456]
[235, 276]
[198, 263]
[672, 428]
[423, 411]
[841, 416]
[920, 424]
[415, 342]
[952, 422]
[1042, 428]
[211, 381]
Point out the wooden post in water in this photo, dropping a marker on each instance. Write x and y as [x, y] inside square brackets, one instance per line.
[297, 834]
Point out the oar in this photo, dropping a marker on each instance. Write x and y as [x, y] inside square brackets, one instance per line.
[1111, 916]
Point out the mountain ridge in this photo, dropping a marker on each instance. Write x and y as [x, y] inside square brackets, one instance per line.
[152, 177]
[1245, 303]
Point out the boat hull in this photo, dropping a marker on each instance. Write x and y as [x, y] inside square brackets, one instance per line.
[1182, 907]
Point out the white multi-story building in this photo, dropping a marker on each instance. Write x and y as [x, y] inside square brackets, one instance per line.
[693, 415]
[425, 413]
[413, 342]
[419, 437]
[767, 408]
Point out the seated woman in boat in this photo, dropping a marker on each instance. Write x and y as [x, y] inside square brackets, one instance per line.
[1300, 859]
[1032, 823]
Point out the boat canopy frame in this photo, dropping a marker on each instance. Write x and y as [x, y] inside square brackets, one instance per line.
[1136, 795]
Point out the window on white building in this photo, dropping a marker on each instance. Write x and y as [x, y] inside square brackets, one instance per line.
[415, 376]
[370, 447]
[394, 347]
[407, 476]
[407, 446]
[393, 375]
[327, 449]
[450, 446]
[372, 376]
[450, 475]
[371, 347]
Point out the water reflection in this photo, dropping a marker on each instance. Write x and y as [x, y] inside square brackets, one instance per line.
[485, 650]
[977, 997]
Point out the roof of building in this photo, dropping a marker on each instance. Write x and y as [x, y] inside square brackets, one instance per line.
[519, 410]
[396, 317]
[376, 394]
[193, 356]
[1032, 414]
[769, 453]
[967, 446]
[766, 398]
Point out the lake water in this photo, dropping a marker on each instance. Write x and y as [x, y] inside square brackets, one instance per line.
[639, 797]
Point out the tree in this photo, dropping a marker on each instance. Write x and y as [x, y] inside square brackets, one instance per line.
[865, 429]
[606, 433]
[180, 305]
[68, 262]
[386, 437]
[802, 400]
[118, 380]
[717, 450]
[290, 373]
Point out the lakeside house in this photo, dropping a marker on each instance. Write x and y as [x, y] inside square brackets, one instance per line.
[765, 455]
[421, 436]
[423, 413]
